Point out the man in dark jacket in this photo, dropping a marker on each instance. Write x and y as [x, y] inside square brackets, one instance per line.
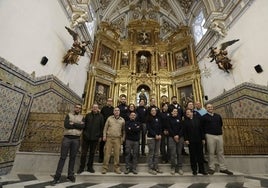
[106, 111]
[212, 124]
[92, 134]
[195, 138]
[132, 143]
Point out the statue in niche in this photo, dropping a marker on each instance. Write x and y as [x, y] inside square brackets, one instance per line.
[125, 59]
[78, 49]
[143, 64]
[142, 96]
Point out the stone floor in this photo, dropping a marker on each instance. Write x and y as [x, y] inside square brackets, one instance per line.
[38, 181]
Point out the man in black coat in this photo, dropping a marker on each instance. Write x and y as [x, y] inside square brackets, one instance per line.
[194, 137]
[92, 134]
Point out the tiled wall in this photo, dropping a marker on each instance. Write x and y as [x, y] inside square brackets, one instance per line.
[244, 101]
[20, 94]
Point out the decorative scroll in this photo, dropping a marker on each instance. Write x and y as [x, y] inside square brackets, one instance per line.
[245, 136]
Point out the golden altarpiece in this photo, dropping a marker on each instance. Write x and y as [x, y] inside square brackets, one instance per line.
[142, 61]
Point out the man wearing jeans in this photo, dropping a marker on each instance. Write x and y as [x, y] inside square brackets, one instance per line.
[73, 125]
[212, 124]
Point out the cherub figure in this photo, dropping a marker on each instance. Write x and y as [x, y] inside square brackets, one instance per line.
[219, 27]
[78, 49]
[79, 18]
[220, 55]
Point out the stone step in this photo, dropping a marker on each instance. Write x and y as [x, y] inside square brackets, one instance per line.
[164, 178]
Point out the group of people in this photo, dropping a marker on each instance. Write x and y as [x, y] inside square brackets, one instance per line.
[166, 130]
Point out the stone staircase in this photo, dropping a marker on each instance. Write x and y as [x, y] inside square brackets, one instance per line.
[46, 163]
[163, 178]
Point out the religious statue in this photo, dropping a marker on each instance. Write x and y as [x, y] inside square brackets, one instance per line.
[78, 49]
[142, 96]
[220, 55]
[100, 95]
[143, 64]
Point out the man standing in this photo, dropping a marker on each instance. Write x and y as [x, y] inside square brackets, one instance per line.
[73, 125]
[175, 104]
[142, 115]
[106, 111]
[92, 134]
[194, 137]
[212, 124]
[199, 109]
[113, 134]
[132, 143]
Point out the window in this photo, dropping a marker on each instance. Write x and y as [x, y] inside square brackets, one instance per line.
[198, 29]
[91, 26]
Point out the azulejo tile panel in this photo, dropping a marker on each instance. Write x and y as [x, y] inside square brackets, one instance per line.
[10, 106]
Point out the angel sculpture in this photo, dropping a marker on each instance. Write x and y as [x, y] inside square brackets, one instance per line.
[78, 49]
[220, 55]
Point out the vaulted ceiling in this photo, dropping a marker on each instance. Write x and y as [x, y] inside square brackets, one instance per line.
[170, 14]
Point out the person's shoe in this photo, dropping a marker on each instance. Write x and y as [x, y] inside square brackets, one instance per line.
[100, 161]
[194, 173]
[127, 171]
[172, 172]
[151, 171]
[80, 170]
[71, 178]
[180, 172]
[143, 154]
[91, 170]
[227, 172]
[117, 171]
[135, 171]
[104, 171]
[205, 161]
[55, 181]
[159, 171]
[211, 171]
[204, 173]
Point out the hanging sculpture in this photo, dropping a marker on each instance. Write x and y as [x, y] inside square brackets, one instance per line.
[78, 49]
[220, 55]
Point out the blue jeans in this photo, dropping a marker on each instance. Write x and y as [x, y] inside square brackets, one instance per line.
[73, 146]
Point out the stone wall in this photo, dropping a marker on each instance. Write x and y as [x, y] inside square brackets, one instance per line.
[20, 94]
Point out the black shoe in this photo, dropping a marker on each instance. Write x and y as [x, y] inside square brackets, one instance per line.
[127, 171]
[205, 161]
[134, 171]
[211, 172]
[55, 181]
[226, 172]
[80, 170]
[71, 178]
[100, 161]
[91, 170]
[194, 173]
[143, 154]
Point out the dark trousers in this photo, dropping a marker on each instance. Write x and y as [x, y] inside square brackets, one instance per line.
[196, 156]
[132, 151]
[143, 138]
[72, 145]
[91, 145]
[164, 148]
[101, 150]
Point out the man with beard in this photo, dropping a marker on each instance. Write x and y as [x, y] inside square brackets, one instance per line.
[175, 104]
